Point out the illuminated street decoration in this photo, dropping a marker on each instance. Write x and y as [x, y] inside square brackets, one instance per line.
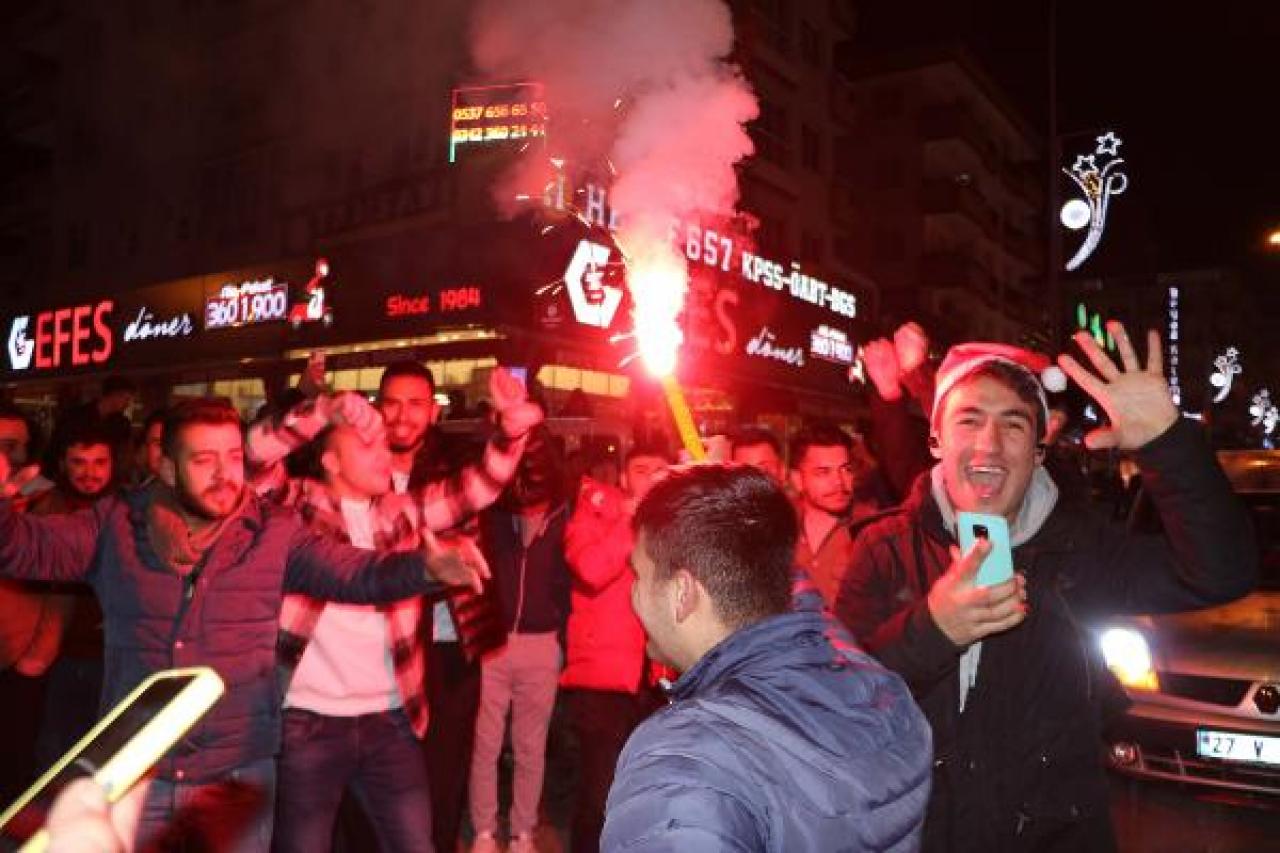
[1098, 179]
[489, 115]
[1226, 367]
[1263, 413]
[1175, 391]
[1092, 323]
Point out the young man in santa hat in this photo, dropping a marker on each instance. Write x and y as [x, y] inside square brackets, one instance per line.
[1008, 675]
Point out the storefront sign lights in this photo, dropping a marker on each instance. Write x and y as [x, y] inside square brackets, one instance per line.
[247, 304]
[483, 115]
[74, 337]
[765, 345]
[722, 252]
[420, 304]
[146, 326]
[831, 345]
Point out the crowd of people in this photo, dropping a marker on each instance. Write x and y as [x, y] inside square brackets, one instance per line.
[782, 650]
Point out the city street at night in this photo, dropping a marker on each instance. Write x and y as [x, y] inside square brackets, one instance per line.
[501, 426]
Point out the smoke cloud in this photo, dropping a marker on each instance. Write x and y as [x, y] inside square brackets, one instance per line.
[643, 85]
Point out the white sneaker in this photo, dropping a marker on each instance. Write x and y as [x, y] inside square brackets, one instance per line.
[523, 843]
[485, 843]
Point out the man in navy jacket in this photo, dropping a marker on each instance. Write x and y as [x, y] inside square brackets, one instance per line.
[779, 736]
[191, 570]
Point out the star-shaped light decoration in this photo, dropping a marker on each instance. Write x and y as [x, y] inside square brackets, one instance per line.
[1099, 179]
[1108, 144]
[1085, 163]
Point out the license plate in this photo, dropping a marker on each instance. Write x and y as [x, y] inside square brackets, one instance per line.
[1236, 746]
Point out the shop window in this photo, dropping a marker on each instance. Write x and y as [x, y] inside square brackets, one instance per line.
[559, 377]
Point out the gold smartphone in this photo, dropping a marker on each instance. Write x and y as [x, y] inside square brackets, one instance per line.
[122, 747]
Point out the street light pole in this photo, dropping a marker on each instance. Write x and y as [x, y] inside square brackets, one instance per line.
[1055, 155]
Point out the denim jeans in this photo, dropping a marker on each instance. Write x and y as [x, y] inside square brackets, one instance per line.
[232, 814]
[376, 756]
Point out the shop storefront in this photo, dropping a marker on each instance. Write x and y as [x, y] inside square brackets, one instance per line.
[537, 294]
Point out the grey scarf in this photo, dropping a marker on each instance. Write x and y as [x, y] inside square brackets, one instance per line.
[1037, 504]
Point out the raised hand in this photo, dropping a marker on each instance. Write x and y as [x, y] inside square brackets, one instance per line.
[911, 345]
[505, 390]
[880, 360]
[351, 409]
[312, 383]
[1136, 399]
[966, 613]
[11, 482]
[459, 564]
[511, 400]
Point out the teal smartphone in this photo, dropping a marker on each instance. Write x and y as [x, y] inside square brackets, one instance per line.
[998, 566]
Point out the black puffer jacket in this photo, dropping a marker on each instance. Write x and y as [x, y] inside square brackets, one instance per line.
[1020, 769]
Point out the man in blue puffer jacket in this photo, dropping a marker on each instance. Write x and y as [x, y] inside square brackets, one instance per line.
[779, 736]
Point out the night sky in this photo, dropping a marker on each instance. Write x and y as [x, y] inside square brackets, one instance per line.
[1194, 92]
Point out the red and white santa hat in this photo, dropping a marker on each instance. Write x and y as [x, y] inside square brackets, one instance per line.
[963, 360]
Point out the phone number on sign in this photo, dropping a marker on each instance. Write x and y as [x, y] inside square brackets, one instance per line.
[246, 307]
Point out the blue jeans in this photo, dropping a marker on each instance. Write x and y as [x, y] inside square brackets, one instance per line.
[376, 755]
[232, 814]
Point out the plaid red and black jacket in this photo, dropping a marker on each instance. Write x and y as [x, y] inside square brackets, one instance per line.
[437, 506]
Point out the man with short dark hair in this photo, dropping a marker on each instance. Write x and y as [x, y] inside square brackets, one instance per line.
[355, 703]
[190, 571]
[1009, 675]
[776, 738]
[86, 473]
[827, 470]
[150, 450]
[459, 628]
[757, 446]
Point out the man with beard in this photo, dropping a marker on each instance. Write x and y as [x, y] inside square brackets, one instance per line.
[355, 702]
[1008, 675]
[191, 570]
[461, 627]
[85, 474]
[826, 470]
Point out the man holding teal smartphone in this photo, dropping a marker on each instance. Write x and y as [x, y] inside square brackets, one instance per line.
[1012, 686]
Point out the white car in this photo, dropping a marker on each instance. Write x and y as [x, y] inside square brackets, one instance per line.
[1205, 686]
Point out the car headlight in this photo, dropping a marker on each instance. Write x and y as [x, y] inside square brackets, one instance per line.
[1127, 655]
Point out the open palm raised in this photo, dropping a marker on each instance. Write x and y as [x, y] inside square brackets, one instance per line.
[1136, 399]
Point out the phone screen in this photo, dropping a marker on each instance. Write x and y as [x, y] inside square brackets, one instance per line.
[85, 758]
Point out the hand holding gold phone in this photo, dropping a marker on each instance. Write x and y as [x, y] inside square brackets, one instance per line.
[122, 747]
